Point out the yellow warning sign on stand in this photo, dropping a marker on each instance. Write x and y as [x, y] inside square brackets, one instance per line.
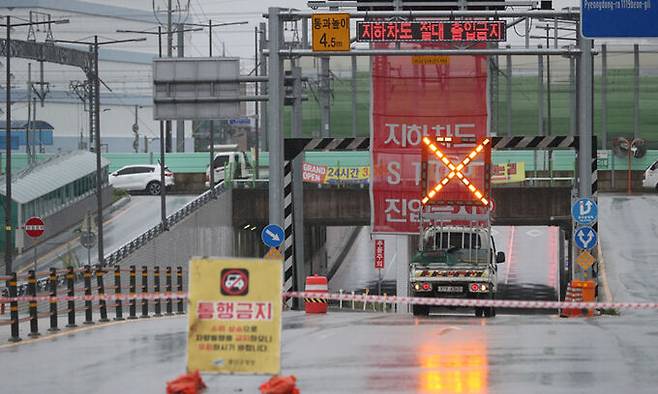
[331, 32]
[585, 260]
[234, 316]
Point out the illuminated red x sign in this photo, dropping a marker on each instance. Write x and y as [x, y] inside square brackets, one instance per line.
[455, 170]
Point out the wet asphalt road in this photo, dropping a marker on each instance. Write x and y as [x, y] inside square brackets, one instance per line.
[363, 353]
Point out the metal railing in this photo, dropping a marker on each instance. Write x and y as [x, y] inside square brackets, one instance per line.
[132, 246]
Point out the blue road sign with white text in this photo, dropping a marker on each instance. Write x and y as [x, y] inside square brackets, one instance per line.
[585, 238]
[272, 235]
[584, 211]
[619, 18]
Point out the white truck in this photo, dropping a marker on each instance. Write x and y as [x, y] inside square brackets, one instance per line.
[229, 158]
[455, 262]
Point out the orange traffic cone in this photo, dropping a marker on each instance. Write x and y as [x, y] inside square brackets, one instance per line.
[280, 385]
[190, 383]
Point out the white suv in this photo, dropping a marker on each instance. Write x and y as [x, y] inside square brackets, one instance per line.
[651, 177]
[141, 177]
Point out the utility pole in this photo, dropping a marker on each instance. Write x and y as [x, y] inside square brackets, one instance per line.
[9, 244]
[163, 190]
[29, 114]
[97, 140]
[170, 43]
[211, 131]
[263, 71]
[257, 106]
[94, 111]
[180, 124]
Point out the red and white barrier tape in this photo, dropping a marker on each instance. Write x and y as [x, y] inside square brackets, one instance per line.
[461, 302]
[457, 302]
[96, 297]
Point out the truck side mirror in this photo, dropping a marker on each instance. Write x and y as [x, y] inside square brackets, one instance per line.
[500, 257]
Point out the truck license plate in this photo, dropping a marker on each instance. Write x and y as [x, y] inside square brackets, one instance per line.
[449, 289]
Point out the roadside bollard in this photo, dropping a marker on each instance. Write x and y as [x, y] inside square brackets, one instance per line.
[365, 303]
[132, 303]
[352, 299]
[32, 292]
[13, 308]
[70, 292]
[170, 306]
[101, 294]
[87, 278]
[385, 305]
[52, 281]
[145, 289]
[179, 283]
[118, 306]
[156, 290]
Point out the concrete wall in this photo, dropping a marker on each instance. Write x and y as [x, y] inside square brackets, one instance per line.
[351, 207]
[206, 232]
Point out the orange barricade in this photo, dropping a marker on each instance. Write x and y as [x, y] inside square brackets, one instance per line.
[587, 290]
[316, 284]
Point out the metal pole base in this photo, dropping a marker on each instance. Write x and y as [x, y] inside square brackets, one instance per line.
[53, 329]
[105, 320]
[145, 317]
[132, 317]
[15, 339]
[157, 315]
[71, 325]
[88, 323]
[118, 319]
[169, 314]
[34, 334]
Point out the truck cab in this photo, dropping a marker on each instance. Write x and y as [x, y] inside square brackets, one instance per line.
[229, 160]
[455, 262]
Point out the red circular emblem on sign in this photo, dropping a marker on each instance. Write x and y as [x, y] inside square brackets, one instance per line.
[34, 227]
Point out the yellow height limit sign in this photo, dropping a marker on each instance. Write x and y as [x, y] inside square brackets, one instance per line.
[331, 32]
[234, 309]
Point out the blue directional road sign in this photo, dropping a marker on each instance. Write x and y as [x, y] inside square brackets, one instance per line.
[585, 211]
[272, 235]
[585, 238]
[619, 18]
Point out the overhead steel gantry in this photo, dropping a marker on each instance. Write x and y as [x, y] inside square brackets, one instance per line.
[277, 51]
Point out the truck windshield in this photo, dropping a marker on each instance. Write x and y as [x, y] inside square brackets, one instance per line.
[456, 240]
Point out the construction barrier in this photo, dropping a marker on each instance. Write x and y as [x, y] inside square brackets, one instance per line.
[28, 292]
[316, 284]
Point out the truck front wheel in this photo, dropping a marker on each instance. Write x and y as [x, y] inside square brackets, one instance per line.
[420, 310]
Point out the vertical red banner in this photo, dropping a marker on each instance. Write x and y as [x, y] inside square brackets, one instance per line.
[379, 254]
[410, 100]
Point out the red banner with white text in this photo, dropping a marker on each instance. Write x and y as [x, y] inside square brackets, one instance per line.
[412, 99]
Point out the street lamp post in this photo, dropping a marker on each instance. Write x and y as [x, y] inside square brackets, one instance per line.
[95, 80]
